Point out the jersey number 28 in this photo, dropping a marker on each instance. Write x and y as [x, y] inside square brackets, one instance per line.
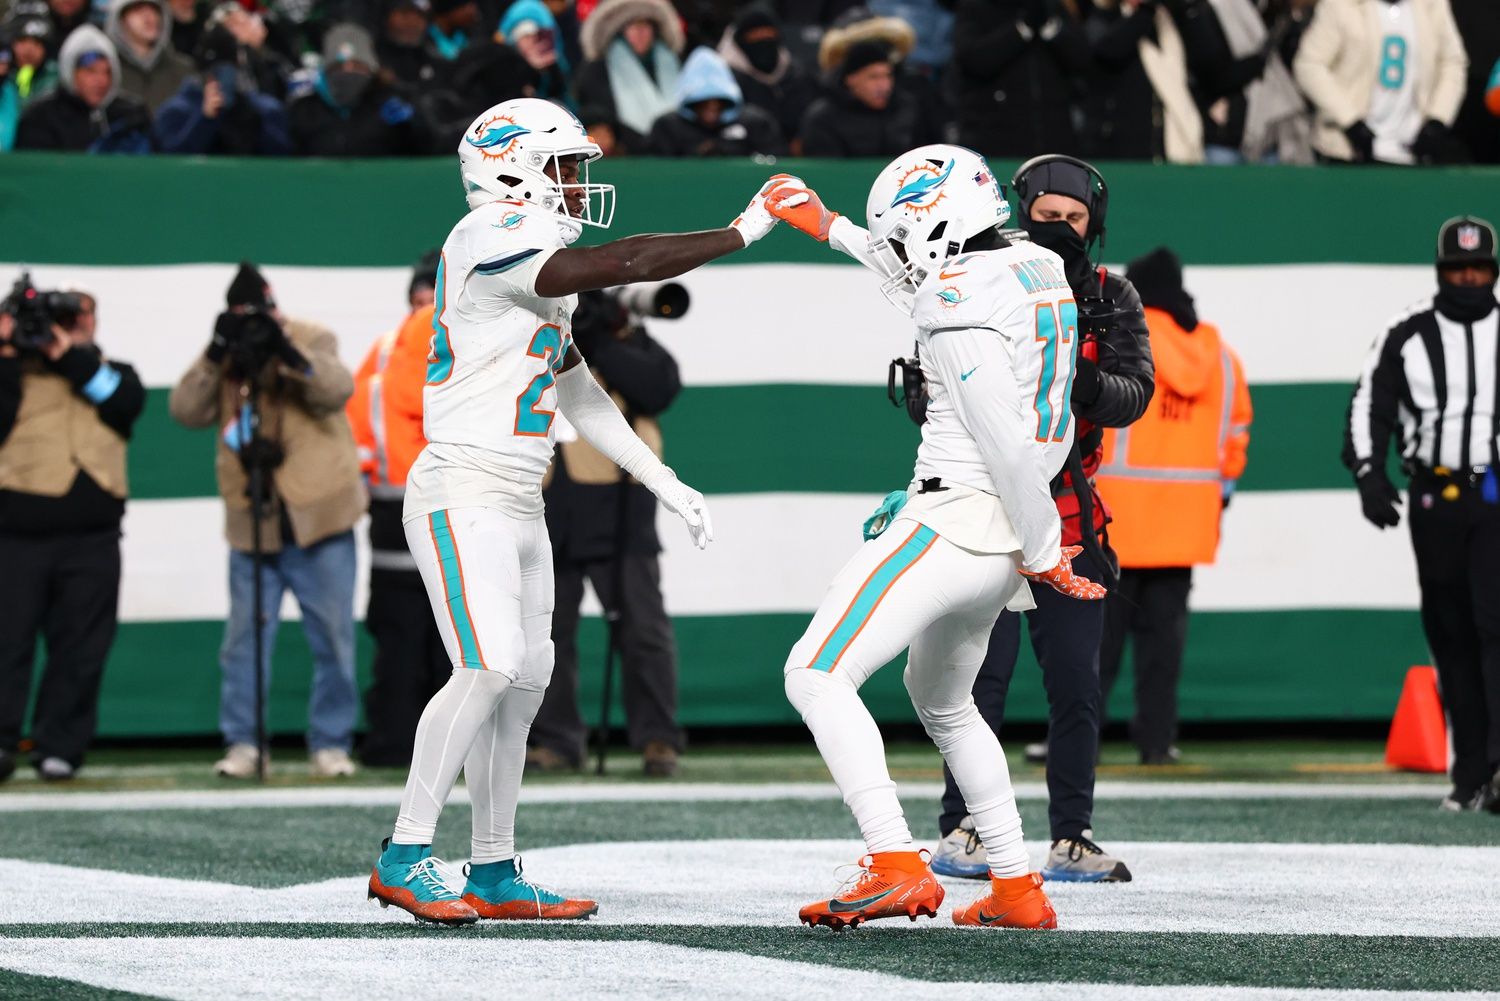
[1056, 330]
[549, 344]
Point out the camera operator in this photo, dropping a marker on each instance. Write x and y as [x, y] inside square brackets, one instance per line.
[1063, 202]
[276, 390]
[611, 540]
[65, 417]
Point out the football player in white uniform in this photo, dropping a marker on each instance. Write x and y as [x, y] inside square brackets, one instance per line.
[502, 364]
[997, 330]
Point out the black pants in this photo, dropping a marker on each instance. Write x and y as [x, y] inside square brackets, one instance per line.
[648, 658]
[67, 589]
[1152, 606]
[1065, 634]
[1458, 566]
[410, 665]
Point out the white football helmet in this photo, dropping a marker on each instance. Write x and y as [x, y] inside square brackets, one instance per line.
[505, 154]
[922, 208]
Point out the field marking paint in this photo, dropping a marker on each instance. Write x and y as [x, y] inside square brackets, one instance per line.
[683, 792]
[210, 969]
[1178, 887]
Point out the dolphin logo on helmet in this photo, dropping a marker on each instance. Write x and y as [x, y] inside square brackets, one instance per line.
[927, 182]
[497, 137]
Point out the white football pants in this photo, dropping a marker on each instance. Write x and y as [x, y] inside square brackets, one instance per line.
[910, 588]
[489, 578]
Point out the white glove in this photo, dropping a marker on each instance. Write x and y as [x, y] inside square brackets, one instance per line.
[687, 503]
[756, 221]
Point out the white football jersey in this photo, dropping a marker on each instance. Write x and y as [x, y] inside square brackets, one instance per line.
[1021, 293]
[490, 403]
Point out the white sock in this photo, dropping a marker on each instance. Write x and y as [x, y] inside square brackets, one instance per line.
[975, 758]
[851, 746]
[449, 725]
[493, 774]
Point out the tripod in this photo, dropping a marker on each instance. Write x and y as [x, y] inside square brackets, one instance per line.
[614, 612]
[253, 454]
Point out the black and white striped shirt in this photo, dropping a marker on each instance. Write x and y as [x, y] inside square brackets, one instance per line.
[1432, 381]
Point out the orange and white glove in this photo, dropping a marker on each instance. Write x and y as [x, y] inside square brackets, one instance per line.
[800, 207]
[1063, 580]
[755, 222]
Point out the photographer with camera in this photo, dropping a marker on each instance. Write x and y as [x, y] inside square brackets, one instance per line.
[603, 527]
[275, 389]
[66, 413]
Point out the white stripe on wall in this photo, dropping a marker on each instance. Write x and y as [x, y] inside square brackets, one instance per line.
[778, 552]
[761, 323]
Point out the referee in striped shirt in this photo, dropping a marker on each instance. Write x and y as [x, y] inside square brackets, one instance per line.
[1432, 382]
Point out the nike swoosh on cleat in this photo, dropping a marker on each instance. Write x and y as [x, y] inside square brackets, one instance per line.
[845, 906]
[945, 275]
[987, 919]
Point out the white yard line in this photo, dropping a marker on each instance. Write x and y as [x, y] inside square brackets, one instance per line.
[682, 792]
[460, 969]
[1178, 887]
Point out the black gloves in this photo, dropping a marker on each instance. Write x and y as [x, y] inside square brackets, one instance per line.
[218, 345]
[1435, 144]
[1378, 496]
[1363, 141]
[1085, 381]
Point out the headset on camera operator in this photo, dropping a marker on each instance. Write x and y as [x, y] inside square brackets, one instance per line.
[611, 539]
[1063, 202]
[66, 414]
[275, 389]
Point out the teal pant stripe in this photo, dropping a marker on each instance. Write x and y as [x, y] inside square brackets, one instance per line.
[870, 595]
[453, 590]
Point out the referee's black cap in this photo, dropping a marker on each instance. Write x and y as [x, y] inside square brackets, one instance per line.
[1466, 239]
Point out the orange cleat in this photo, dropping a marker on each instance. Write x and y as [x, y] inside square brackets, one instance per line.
[889, 885]
[1017, 902]
[418, 889]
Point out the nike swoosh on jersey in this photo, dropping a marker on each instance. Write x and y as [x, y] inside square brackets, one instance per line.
[945, 275]
[965, 376]
[841, 906]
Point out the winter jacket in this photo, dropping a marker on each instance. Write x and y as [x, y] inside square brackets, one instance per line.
[842, 126]
[1338, 63]
[255, 125]
[1167, 476]
[381, 124]
[155, 77]
[784, 93]
[741, 131]
[61, 121]
[317, 480]
[1015, 82]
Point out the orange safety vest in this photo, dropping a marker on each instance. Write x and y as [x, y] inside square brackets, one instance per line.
[1167, 474]
[386, 408]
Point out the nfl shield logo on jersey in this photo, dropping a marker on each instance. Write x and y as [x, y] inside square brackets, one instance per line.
[1468, 237]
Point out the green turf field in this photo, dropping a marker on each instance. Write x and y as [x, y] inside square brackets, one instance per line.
[1263, 870]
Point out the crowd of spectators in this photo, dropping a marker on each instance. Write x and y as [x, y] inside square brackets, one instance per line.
[1188, 81]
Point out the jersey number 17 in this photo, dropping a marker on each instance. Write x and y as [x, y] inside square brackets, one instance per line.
[1056, 330]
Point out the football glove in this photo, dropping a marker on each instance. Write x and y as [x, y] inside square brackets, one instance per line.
[1063, 580]
[800, 207]
[688, 504]
[755, 222]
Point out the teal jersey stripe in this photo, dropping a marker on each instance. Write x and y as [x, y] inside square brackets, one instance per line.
[453, 590]
[870, 596]
[441, 365]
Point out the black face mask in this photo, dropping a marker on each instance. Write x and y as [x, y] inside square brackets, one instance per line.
[763, 55]
[1064, 241]
[346, 87]
[1465, 305]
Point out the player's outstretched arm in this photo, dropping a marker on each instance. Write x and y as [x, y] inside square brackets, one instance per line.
[653, 257]
[799, 206]
[973, 366]
[589, 409]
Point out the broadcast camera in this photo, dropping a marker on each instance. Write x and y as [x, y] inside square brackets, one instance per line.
[662, 301]
[36, 312]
